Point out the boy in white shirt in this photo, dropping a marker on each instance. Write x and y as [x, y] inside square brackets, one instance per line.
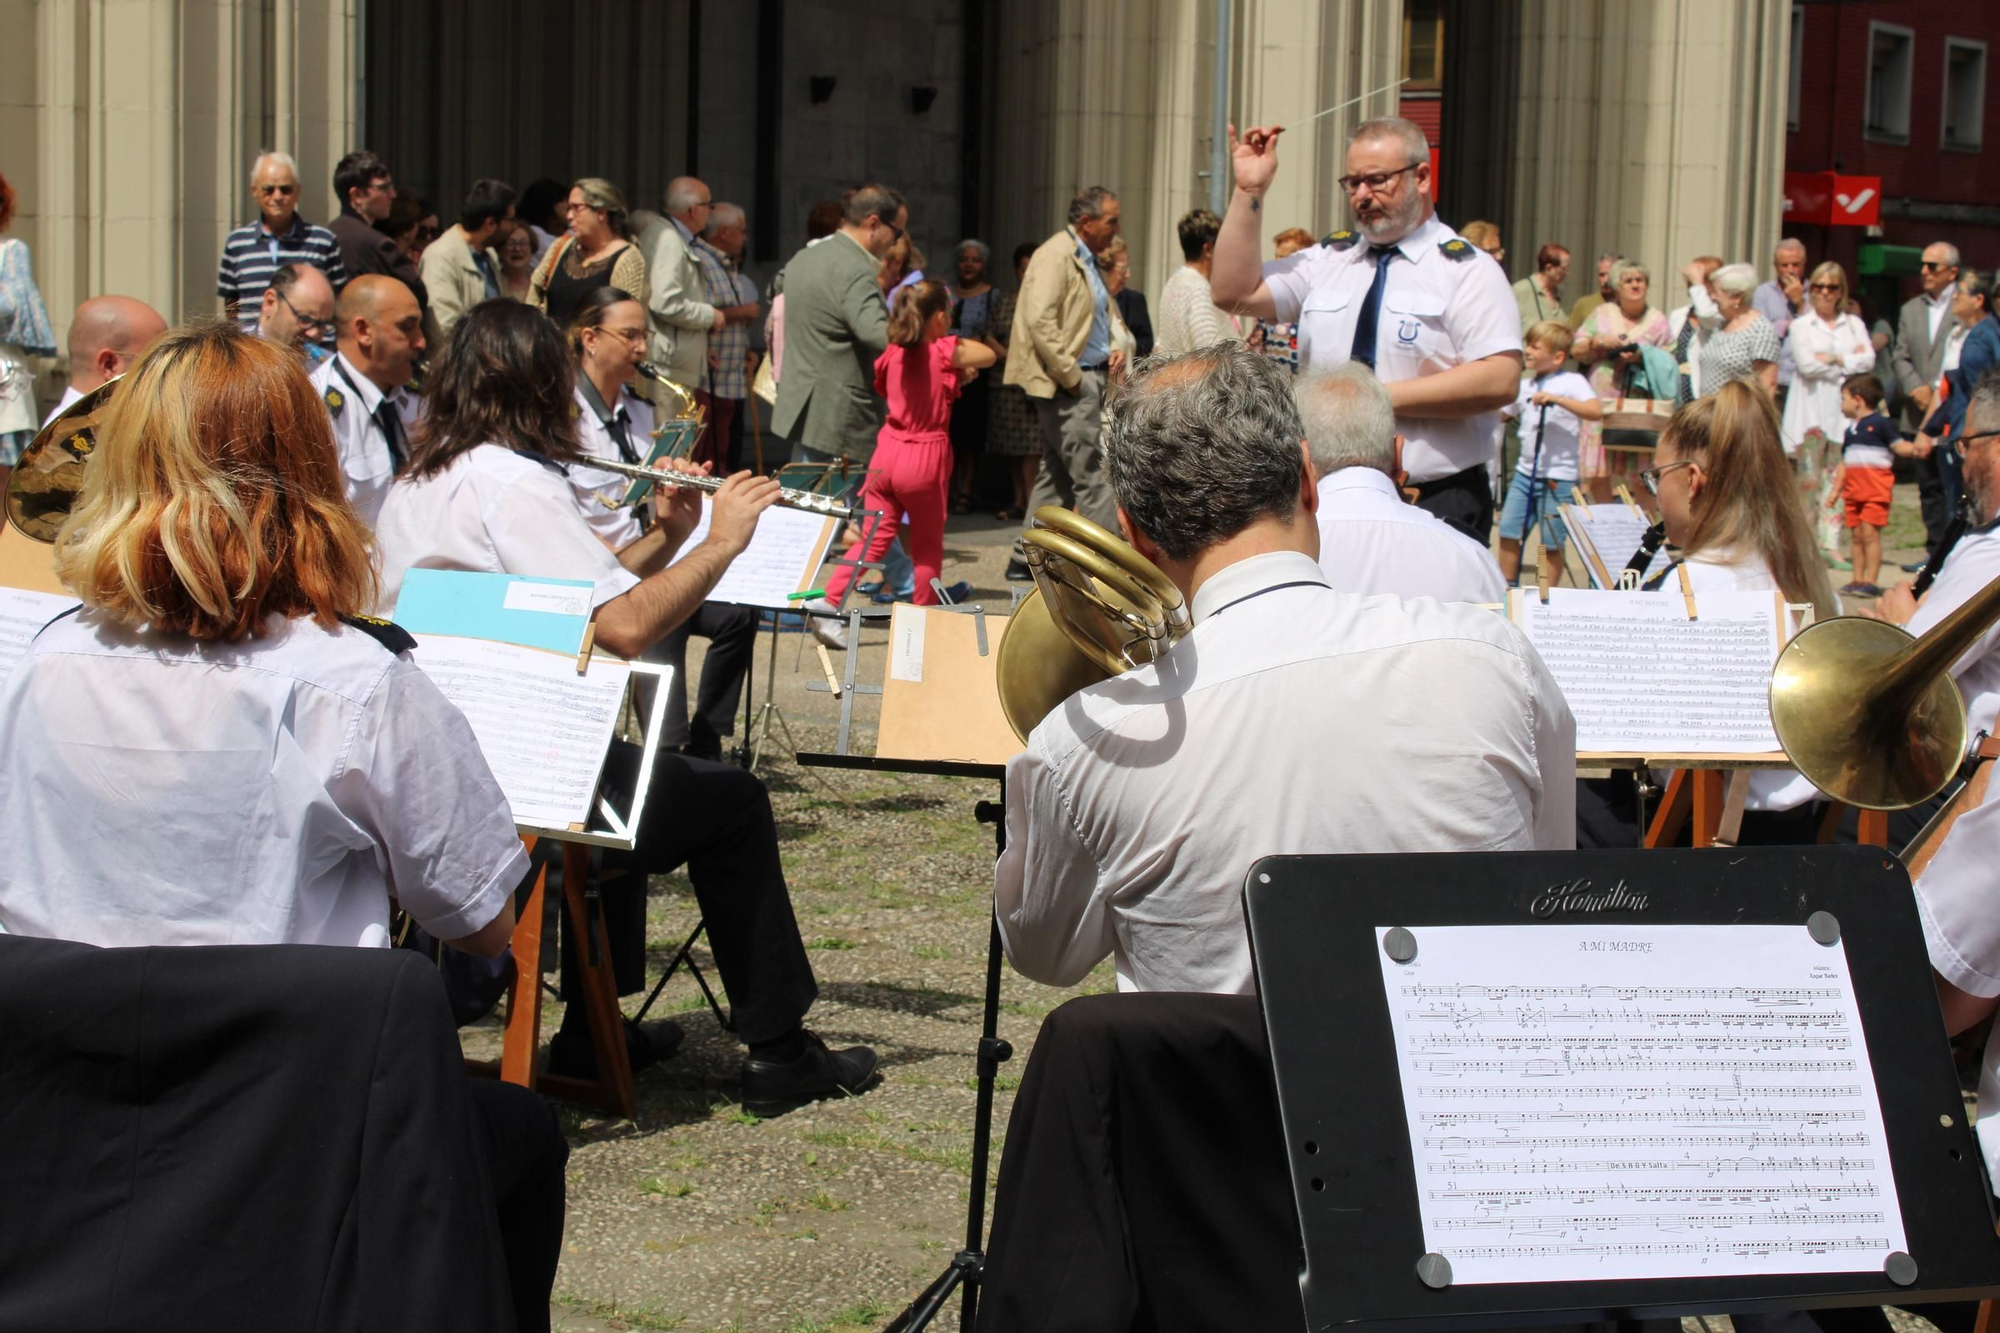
[1552, 406]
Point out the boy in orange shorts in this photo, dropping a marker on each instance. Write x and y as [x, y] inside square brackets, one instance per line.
[1867, 482]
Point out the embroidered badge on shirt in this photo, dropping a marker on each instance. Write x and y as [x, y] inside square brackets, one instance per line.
[335, 400]
[1458, 249]
[1340, 240]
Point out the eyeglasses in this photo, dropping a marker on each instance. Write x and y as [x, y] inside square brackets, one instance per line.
[1374, 180]
[1932, 266]
[1964, 440]
[1826, 286]
[573, 206]
[268, 190]
[1651, 476]
[629, 335]
[306, 322]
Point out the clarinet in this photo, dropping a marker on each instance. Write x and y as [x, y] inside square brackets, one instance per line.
[1649, 546]
[1952, 532]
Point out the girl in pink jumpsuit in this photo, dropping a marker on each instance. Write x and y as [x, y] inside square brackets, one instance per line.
[910, 472]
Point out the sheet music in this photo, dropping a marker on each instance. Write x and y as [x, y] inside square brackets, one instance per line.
[788, 549]
[543, 729]
[1615, 531]
[1642, 678]
[1617, 1101]
[22, 615]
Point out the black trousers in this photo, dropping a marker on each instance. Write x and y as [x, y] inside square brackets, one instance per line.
[1464, 500]
[525, 1154]
[715, 819]
[1931, 501]
[731, 632]
[1144, 1182]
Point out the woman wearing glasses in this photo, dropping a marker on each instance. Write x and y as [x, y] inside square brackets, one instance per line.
[597, 251]
[1730, 505]
[1827, 345]
[1977, 351]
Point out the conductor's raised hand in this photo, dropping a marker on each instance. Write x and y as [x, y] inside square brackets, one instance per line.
[1254, 157]
[738, 504]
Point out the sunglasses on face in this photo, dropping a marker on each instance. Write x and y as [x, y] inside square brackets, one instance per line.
[268, 190]
[1826, 286]
[1932, 266]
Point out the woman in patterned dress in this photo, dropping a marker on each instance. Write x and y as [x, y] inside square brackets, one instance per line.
[1606, 345]
[1012, 431]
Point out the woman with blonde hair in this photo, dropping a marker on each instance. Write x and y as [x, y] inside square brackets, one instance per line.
[1827, 346]
[256, 762]
[596, 251]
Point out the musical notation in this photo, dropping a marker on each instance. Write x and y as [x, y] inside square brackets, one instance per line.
[1706, 1084]
[782, 556]
[1642, 678]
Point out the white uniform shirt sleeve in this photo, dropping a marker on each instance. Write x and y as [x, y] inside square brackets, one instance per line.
[1289, 279]
[1482, 318]
[1555, 751]
[418, 784]
[1053, 918]
[1958, 899]
[538, 529]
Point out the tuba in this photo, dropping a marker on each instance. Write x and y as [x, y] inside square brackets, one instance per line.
[1099, 609]
[1872, 716]
[44, 484]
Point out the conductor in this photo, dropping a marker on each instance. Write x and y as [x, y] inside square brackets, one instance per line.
[1401, 293]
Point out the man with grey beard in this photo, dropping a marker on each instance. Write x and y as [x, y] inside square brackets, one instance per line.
[1399, 293]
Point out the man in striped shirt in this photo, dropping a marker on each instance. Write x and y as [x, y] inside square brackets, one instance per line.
[255, 251]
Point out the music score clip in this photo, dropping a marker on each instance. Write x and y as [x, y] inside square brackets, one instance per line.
[583, 649]
[1687, 590]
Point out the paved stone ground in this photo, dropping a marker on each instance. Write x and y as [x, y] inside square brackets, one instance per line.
[694, 1215]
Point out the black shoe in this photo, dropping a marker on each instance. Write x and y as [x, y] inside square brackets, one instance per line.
[646, 1044]
[702, 742]
[771, 1088]
[1018, 571]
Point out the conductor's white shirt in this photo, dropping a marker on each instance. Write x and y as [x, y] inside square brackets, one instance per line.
[1370, 542]
[1958, 899]
[1972, 564]
[1436, 313]
[351, 400]
[1291, 719]
[274, 791]
[498, 511]
[598, 491]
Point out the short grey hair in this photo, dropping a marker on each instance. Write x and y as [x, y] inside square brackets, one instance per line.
[284, 160]
[1619, 271]
[1406, 132]
[978, 247]
[1947, 248]
[1347, 418]
[1788, 244]
[1202, 445]
[1089, 204]
[1612, 259]
[682, 194]
[1982, 410]
[1736, 279]
[723, 215]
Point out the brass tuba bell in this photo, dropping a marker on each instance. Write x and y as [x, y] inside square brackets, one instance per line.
[1099, 609]
[1872, 716]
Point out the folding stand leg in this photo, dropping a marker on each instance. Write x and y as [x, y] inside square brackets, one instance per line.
[969, 1263]
[1672, 814]
[685, 955]
[523, 1034]
[1710, 787]
[612, 1089]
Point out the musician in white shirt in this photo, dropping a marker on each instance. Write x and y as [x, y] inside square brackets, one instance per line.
[487, 488]
[380, 335]
[1292, 718]
[1370, 539]
[220, 749]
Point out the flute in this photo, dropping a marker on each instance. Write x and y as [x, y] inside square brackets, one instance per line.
[792, 499]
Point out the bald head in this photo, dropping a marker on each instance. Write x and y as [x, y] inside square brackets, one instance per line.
[107, 334]
[380, 328]
[689, 200]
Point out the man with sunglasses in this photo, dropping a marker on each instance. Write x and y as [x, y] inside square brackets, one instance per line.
[255, 251]
[1923, 332]
[1402, 294]
[297, 310]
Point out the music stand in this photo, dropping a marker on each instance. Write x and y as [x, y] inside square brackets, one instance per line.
[1328, 932]
[957, 662]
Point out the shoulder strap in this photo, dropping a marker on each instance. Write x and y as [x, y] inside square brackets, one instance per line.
[385, 632]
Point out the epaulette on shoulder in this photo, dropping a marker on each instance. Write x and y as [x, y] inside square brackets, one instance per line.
[1340, 240]
[1457, 249]
[385, 632]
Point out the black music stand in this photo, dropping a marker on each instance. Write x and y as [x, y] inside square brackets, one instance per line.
[1314, 924]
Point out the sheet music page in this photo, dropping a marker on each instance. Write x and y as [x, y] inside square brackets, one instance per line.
[22, 615]
[1616, 1101]
[1616, 532]
[543, 729]
[1642, 678]
[788, 549]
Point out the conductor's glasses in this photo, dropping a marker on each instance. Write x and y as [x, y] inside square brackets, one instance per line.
[1651, 476]
[1374, 180]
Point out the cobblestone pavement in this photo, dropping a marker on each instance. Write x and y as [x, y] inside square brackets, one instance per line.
[693, 1215]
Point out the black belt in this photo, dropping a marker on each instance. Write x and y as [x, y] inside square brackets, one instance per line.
[1100, 366]
[1426, 489]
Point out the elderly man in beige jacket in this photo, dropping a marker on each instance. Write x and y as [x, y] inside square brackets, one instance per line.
[677, 303]
[1063, 349]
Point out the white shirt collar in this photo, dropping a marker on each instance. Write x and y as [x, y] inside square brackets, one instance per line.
[1360, 479]
[371, 392]
[1942, 300]
[1422, 235]
[1252, 575]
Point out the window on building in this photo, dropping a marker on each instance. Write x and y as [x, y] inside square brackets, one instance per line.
[1891, 53]
[1423, 46]
[1964, 92]
[1798, 63]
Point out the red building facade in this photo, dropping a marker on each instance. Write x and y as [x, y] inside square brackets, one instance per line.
[1897, 89]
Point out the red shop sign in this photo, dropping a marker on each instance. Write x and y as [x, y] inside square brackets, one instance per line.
[1829, 199]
